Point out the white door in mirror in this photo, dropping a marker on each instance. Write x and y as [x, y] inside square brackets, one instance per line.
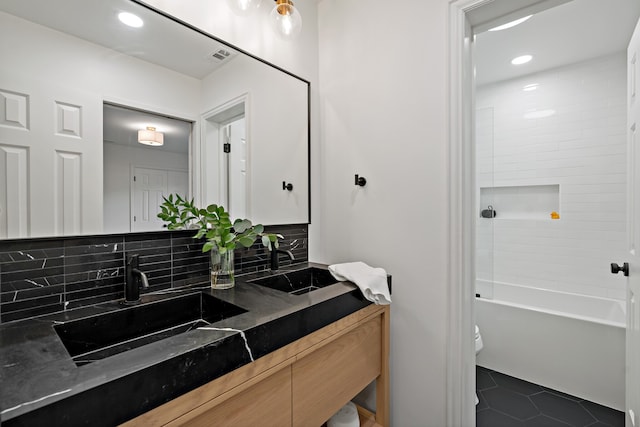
[53, 179]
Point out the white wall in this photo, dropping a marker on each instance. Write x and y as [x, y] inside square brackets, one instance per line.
[583, 149]
[383, 89]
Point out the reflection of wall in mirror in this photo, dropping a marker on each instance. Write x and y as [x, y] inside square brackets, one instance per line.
[39, 61]
[277, 137]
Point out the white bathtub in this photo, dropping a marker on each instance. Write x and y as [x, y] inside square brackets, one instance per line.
[567, 342]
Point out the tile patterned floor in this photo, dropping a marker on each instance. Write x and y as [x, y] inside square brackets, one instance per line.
[506, 401]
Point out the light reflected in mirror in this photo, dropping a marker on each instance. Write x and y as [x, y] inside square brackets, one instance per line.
[60, 77]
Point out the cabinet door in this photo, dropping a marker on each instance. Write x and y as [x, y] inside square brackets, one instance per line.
[267, 403]
[326, 379]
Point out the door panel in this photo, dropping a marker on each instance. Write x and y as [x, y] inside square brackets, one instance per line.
[633, 280]
[149, 187]
[49, 148]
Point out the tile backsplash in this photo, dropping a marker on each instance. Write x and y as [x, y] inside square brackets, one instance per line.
[48, 275]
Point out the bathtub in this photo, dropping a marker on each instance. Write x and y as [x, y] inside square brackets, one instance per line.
[567, 342]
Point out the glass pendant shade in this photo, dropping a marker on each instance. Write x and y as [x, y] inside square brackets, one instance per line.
[286, 19]
[149, 136]
[243, 7]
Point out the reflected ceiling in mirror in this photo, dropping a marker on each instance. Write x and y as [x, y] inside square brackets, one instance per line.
[158, 41]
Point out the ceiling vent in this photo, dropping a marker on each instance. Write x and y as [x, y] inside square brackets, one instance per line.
[222, 54]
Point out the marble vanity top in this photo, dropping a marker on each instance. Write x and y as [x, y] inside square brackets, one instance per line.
[41, 384]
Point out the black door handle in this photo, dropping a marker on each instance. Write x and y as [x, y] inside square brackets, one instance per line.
[615, 268]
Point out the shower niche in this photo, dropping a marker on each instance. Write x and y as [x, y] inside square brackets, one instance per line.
[520, 202]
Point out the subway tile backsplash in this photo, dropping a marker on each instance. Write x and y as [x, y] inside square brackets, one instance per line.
[48, 275]
[582, 150]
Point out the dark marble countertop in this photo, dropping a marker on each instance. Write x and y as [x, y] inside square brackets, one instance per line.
[42, 385]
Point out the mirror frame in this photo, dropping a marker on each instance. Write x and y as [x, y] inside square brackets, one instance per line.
[244, 52]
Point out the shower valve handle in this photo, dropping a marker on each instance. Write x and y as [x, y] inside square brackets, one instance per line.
[615, 268]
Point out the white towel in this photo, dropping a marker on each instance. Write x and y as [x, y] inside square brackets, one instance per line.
[371, 281]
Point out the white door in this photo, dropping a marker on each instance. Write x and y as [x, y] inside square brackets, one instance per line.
[50, 159]
[237, 165]
[149, 187]
[633, 280]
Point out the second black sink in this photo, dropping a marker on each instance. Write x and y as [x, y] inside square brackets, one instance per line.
[97, 337]
[298, 282]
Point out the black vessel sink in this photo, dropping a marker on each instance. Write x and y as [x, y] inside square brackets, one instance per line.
[97, 337]
[298, 282]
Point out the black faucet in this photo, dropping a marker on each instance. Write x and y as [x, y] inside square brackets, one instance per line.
[133, 278]
[274, 257]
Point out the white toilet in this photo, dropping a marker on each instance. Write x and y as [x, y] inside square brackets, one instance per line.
[478, 348]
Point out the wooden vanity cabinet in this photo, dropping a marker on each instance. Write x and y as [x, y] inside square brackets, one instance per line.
[301, 384]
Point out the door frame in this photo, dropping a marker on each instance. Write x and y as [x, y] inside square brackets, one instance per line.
[461, 270]
[212, 142]
[461, 267]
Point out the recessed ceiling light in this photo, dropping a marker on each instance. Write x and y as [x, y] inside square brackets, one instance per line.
[521, 59]
[510, 24]
[130, 19]
[530, 87]
[539, 114]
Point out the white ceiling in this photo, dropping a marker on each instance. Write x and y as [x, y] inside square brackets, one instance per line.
[121, 125]
[568, 33]
[159, 40]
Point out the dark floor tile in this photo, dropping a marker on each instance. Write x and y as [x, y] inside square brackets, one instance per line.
[565, 395]
[515, 384]
[483, 379]
[482, 402]
[491, 418]
[562, 409]
[608, 416]
[598, 424]
[511, 403]
[544, 421]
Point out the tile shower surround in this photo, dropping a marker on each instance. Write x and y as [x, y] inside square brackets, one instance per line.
[48, 275]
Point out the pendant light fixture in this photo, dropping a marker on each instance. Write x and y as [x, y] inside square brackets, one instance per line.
[286, 19]
[243, 7]
[150, 136]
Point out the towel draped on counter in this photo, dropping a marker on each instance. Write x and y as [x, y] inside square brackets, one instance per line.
[371, 281]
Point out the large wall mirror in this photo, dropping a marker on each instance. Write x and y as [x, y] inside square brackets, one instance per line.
[76, 87]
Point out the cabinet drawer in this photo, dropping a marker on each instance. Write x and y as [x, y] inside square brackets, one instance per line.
[327, 378]
[267, 403]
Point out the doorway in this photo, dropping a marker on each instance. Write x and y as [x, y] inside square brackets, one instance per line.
[138, 176]
[226, 156]
[468, 18]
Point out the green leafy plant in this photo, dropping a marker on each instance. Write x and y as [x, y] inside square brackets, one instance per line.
[214, 224]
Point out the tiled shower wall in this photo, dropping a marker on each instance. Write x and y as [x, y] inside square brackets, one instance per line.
[48, 275]
[582, 148]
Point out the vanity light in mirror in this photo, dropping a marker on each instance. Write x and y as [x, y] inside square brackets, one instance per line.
[286, 19]
[510, 24]
[244, 7]
[521, 59]
[150, 136]
[130, 19]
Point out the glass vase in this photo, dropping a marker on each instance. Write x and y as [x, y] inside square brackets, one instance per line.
[222, 271]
